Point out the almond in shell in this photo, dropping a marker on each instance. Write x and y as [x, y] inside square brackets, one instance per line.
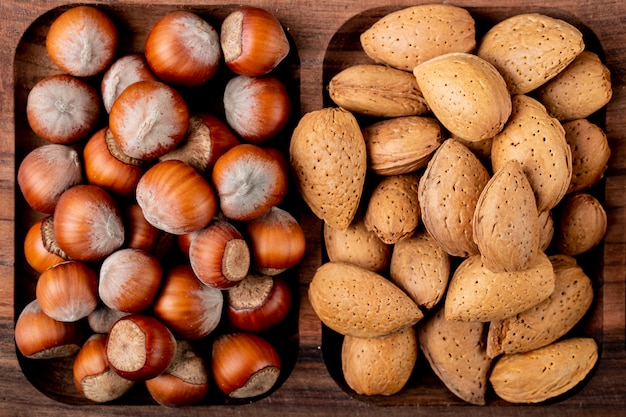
[544, 373]
[329, 162]
[587, 79]
[448, 192]
[466, 94]
[590, 153]
[476, 293]
[529, 49]
[357, 245]
[456, 353]
[537, 141]
[357, 302]
[506, 221]
[380, 365]
[421, 268]
[377, 91]
[581, 224]
[549, 320]
[402, 144]
[393, 211]
[405, 38]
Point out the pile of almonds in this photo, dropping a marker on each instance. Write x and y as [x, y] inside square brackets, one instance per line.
[163, 226]
[455, 182]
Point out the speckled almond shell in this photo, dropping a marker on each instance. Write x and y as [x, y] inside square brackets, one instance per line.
[590, 153]
[421, 268]
[447, 195]
[402, 144]
[529, 49]
[587, 79]
[357, 245]
[544, 373]
[506, 221]
[393, 211]
[477, 294]
[410, 36]
[537, 141]
[329, 162]
[466, 94]
[357, 302]
[456, 353]
[380, 365]
[580, 224]
[377, 91]
[549, 320]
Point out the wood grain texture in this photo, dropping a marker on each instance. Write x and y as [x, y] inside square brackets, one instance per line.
[323, 33]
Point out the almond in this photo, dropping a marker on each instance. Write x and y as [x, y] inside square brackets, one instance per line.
[537, 141]
[587, 79]
[456, 353]
[549, 320]
[546, 229]
[590, 153]
[448, 193]
[357, 302]
[329, 162]
[405, 38]
[529, 49]
[357, 245]
[581, 224]
[377, 91]
[466, 94]
[421, 268]
[380, 365]
[476, 293]
[402, 144]
[506, 222]
[544, 373]
[393, 211]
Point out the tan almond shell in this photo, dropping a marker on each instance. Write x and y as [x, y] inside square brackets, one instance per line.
[357, 302]
[466, 94]
[590, 153]
[448, 192]
[357, 245]
[328, 159]
[529, 49]
[506, 221]
[421, 268]
[477, 294]
[581, 224]
[381, 365]
[405, 38]
[377, 91]
[393, 211]
[544, 373]
[537, 141]
[402, 144]
[456, 353]
[586, 79]
[549, 320]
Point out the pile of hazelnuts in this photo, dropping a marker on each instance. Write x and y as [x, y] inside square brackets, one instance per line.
[115, 203]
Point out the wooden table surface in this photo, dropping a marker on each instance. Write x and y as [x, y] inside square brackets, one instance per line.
[309, 390]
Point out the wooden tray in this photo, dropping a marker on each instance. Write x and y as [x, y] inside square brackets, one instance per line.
[323, 34]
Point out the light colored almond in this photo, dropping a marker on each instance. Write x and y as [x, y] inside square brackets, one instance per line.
[476, 293]
[544, 373]
[581, 224]
[329, 162]
[529, 49]
[402, 144]
[590, 153]
[405, 38]
[377, 91]
[357, 302]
